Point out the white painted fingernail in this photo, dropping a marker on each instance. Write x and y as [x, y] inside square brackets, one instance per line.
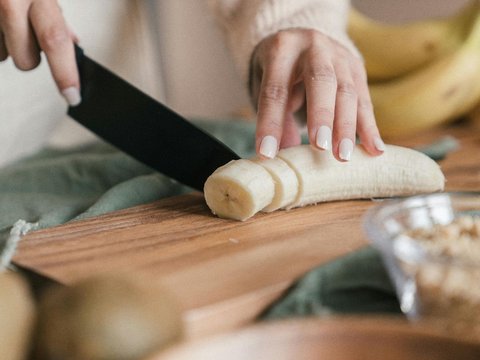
[324, 138]
[72, 95]
[268, 147]
[379, 144]
[346, 149]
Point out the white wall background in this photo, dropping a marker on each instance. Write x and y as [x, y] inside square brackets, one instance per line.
[199, 75]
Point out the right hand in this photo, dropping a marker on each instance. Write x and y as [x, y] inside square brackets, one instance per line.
[302, 68]
[28, 27]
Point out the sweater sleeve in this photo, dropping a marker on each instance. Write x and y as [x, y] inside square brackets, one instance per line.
[247, 22]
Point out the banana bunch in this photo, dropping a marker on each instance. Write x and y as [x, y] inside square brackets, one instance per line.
[420, 74]
[302, 175]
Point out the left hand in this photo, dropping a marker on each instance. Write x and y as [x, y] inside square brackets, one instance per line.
[300, 67]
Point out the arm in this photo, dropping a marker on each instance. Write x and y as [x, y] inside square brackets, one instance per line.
[296, 54]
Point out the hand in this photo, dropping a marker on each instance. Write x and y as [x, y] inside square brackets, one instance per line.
[28, 27]
[300, 67]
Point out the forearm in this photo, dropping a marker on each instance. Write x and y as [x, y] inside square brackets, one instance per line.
[246, 23]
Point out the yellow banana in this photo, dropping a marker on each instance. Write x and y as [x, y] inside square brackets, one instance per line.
[392, 50]
[443, 91]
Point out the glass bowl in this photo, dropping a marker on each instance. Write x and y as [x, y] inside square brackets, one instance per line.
[430, 245]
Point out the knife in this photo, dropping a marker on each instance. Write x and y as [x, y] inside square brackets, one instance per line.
[144, 128]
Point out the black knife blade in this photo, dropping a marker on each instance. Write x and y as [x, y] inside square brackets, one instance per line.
[142, 127]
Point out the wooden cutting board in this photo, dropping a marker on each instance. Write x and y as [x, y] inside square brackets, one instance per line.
[332, 338]
[223, 273]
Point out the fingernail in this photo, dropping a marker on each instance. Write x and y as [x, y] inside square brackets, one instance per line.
[379, 144]
[268, 147]
[324, 138]
[72, 95]
[346, 149]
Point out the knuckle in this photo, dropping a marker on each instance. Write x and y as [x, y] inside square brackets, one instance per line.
[322, 73]
[53, 37]
[274, 93]
[281, 40]
[347, 88]
[324, 113]
[359, 74]
[27, 63]
[365, 104]
[348, 123]
[314, 36]
[273, 125]
[8, 8]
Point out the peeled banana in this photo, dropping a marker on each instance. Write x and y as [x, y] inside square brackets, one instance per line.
[442, 91]
[393, 50]
[241, 188]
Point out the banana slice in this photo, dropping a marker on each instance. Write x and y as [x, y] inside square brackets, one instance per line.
[286, 183]
[241, 188]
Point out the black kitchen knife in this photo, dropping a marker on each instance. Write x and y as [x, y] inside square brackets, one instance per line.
[144, 128]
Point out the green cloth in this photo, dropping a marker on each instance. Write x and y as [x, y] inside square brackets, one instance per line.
[57, 186]
[356, 283]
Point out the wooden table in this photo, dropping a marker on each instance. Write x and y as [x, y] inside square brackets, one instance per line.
[224, 273]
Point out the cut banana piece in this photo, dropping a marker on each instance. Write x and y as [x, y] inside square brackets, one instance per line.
[239, 189]
[243, 187]
[286, 183]
[399, 171]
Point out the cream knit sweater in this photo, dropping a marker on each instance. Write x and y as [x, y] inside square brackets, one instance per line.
[247, 22]
[115, 32]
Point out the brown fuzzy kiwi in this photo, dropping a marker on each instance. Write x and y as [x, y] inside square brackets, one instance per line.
[107, 317]
[17, 316]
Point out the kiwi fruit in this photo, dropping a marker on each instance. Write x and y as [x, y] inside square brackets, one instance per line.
[106, 317]
[17, 316]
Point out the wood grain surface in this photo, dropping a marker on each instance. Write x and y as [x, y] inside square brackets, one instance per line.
[224, 273]
[334, 338]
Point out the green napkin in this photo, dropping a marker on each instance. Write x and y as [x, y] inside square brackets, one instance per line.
[356, 283]
[56, 186]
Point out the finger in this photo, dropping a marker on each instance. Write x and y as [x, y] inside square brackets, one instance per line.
[296, 97]
[19, 39]
[54, 39]
[344, 127]
[321, 88]
[73, 36]
[294, 120]
[366, 125]
[291, 133]
[3, 49]
[273, 97]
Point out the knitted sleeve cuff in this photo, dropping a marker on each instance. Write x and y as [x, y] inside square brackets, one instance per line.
[247, 23]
